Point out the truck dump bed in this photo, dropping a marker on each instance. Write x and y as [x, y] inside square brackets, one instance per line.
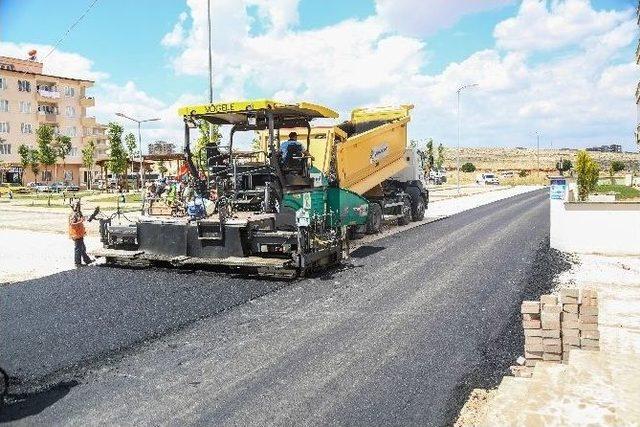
[375, 148]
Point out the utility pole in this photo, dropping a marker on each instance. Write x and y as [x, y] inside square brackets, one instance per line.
[210, 64]
[460, 89]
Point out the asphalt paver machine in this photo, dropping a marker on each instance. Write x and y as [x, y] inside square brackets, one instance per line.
[255, 211]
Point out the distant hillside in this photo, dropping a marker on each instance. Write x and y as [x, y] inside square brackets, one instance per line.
[495, 159]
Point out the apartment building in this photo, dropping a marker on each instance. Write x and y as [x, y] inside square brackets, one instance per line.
[28, 99]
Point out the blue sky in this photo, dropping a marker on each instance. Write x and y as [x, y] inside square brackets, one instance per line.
[124, 40]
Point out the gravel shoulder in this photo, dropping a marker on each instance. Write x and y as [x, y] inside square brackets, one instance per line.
[392, 338]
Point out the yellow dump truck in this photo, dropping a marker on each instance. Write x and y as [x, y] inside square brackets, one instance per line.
[370, 156]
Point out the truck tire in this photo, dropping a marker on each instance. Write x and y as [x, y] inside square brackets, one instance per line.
[374, 222]
[406, 211]
[418, 205]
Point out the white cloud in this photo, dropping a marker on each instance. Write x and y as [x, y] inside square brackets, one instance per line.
[176, 36]
[425, 17]
[544, 25]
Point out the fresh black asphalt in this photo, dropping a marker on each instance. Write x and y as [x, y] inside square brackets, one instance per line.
[396, 337]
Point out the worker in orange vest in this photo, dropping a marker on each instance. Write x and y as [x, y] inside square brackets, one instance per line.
[77, 233]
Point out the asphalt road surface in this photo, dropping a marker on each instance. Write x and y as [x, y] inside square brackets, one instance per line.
[391, 338]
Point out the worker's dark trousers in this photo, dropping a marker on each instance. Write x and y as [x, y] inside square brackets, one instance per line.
[80, 252]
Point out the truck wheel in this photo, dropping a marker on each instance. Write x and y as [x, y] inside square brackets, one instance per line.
[374, 222]
[406, 211]
[417, 204]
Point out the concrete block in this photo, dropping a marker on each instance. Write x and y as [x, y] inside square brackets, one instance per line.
[569, 317]
[530, 307]
[548, 300]
[533, 347]
[550, 324]
[527, 316]
[570, 341]
[531, 324]
[569, 292]
[588, 319]
[590, 334]
[589, 293]
[533, 333]
[521, 371]
[568, 347]
[531, 362]
[565, 357]
[551, 341]
[570, 308]
[550, 333]
[555, 308]
[588, 310]
[549, 317]
[532, 341]
[570, 333]
[589, 302]
[555, 349]
[588, 342]
[570, 325]
[532, 354]
[551, 357]
[588, 326]
[569, 300]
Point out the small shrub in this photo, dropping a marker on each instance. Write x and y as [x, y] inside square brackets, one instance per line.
[588, 172]
[468, 167]
[523, 174]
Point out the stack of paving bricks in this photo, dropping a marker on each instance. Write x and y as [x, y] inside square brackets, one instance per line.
[552, 328]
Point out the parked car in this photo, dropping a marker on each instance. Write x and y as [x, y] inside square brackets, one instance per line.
[72, 187]
[487, 179]
[39, 187]
[57, 187]
[437, 176]
[13, 187]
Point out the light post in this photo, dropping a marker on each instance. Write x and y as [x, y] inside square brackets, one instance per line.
[139, 122]
[460, 89]
[210, 64]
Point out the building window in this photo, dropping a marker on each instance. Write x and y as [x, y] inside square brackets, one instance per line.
[3, 83]
[24, 86]
[25, 107]
[46, 175]
[4, 105]
[26, 128]
[71, 112]
[47, 109]
[69, 92]
[5, 148]
[71, 131]
[4, 127]
[73, 152]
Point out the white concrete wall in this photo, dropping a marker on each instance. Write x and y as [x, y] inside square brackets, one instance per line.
[596, 228]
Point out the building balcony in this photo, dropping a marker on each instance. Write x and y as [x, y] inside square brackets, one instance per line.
[88, 122]
[48, 95]
[638, 53]
[88, 101]
[47, 117]
[638, 94]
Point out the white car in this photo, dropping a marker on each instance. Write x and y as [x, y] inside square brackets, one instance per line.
[487, 179]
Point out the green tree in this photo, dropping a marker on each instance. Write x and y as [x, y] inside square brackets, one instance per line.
[588, 172]
[440, 157]
[88, 159]
[564, 165]
[25, 160]
[46, 152]
[34, 163]
[130, 145]
[162, 168]
[62, 148]
[118, 160]
[203, 139]
[429, 154]
[615, 167]
[468, 167]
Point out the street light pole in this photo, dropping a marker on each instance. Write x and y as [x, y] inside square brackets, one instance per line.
[139, 122]
[210, 64]
[460, 89]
